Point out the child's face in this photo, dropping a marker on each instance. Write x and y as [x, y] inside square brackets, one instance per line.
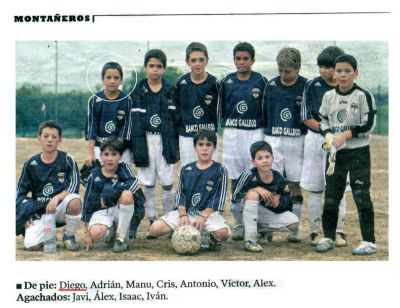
[154, 69]
[288, 74]
[327, 73]
[49, 139]
[110, 159]
[112, 80]
[243, 61]
[204, 149]
[345, 75]
[263, 161]
[197, 62]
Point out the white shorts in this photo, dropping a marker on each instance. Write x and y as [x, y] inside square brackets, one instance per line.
[236, 150]
[62, 207]
[187, 152]
[126, 155]
[274, 220]
[213, 223]
[105, 217]
[158, 167]
[288, 155]
[313, 174]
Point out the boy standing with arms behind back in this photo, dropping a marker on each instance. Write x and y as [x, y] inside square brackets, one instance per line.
[348, 115]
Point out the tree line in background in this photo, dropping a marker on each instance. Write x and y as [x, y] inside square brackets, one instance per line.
[34, 105]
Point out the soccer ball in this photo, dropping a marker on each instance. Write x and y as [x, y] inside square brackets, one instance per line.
[186, 240]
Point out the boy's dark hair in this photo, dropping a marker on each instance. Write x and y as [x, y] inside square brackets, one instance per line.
[289, 57]
[346, 59]
[205, 134]
[196, 46]
[156, 54]
[50, 124]
[112, 65]
[328, 55]
[244, 46]
[113, 144]
[260, 146]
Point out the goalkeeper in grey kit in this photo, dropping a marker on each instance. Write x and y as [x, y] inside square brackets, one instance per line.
[348, 115]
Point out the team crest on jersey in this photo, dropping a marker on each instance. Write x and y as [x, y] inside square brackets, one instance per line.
[120, 115]
[98, 100]
[241, 107]
[196, 199]
[48, 189]
[286, 115]
[299, 99]
[155, 120]
[183, 82]
[341, 115]
[229, 81]
[208, 99]
[198, 112]
[109, 127]
[209, 185]
[256, 92]
[33, 163]
[354, 107]
[61, 177]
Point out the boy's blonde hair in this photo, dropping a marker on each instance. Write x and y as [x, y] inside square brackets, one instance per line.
[289, 57]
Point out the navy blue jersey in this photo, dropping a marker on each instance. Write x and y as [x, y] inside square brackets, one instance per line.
[312, 98]
[197, 104]
[251, 179]
[110, 189]
[201, 189]
[107, 118]
[44, 181]
[282, 108]
[153, 114]
[241, 101]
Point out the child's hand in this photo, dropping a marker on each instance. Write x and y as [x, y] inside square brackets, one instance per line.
[183, 220]
[52, 205]
[275, 202]
[265, 194]
[199, 223]
[88, 242]
[339, 140]
[89, 160]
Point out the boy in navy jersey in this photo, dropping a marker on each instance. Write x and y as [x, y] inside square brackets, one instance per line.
[313, 174]
[155, 133]
[284, 129]
[240, 112]
[267, 201]
[108, 113]
[108, 199]
[196, 99]
[348, 115]
[52, 180]
[201, 195]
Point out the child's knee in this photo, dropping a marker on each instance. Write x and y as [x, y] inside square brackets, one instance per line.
[159, 227]
[252, 196]
[221, 234]
[74, 207]
[97, 232]
[126, 197]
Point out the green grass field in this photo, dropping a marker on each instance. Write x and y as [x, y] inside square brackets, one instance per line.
[279, 250]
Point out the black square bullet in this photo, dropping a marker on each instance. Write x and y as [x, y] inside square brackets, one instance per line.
[19, 286]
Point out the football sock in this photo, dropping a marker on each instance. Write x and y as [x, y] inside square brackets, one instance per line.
[124, 220]
[72, 222]
[150, 194]
[341, 217]
[168, 200]
[237, 212]
[250, 216]
[314, 201]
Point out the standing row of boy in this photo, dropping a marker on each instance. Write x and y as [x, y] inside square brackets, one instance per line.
[281, 121]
